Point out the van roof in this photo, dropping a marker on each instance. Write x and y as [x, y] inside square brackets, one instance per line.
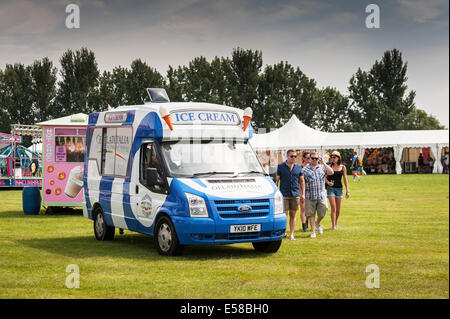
[230, 126]
[171, 106]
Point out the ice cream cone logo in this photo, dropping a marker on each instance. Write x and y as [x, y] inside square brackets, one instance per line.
[166, 116]
[247, 117]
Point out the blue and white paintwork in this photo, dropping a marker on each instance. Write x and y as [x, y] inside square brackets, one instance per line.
[125, 209]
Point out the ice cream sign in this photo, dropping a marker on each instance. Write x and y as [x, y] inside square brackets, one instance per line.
[205, 117]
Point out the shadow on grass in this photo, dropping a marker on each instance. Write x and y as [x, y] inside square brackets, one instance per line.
[134, 246]
[20, 214]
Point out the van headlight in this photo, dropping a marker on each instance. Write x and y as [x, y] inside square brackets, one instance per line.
[278, 203]
[197, 205]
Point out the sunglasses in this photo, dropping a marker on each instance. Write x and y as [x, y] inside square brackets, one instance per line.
[333, 156]
[293, 156]
[314, 158]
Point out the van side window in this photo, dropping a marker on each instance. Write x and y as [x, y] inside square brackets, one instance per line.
[150, 158]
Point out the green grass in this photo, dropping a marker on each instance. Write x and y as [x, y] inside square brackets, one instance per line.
[398, 222]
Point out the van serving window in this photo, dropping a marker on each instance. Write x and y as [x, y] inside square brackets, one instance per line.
[116, 147]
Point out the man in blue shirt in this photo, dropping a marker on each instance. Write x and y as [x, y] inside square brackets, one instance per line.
[292, 187]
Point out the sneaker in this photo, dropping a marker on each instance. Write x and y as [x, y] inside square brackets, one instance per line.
[313, 235]
[292, 238]
[319, 229]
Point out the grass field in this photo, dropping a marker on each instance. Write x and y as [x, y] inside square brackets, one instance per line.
[398, 222]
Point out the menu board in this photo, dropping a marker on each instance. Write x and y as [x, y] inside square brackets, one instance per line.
[60, 153]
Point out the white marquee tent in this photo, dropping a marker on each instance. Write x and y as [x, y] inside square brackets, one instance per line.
[296, 135]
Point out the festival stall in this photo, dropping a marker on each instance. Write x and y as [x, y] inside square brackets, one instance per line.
[63, 157]
[19, 166]
[296, 135]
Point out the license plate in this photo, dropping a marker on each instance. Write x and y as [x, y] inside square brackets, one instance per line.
[245, 228]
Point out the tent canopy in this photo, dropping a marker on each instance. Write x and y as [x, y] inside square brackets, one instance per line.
[296, 135]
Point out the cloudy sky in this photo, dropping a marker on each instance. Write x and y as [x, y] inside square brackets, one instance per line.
[328, 40]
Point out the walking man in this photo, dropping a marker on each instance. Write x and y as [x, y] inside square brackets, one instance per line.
[306, 160]
[292, 187]
[316, 198]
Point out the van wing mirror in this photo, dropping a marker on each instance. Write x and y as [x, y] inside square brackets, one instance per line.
[152, 176]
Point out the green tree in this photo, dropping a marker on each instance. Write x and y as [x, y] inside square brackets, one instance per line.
[4, 118]
[112, 90]
[16, 96]
[43, 89]
[78, 90]
[332, 114]
[242, 74]
[364, 110]
[140, 77]
[201, 81]
[220, 92]
[175, 86]
[198, 76]
[306, 98]
[380, 100]
[420, 120]
[388, 78]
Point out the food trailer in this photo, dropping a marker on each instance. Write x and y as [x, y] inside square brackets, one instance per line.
[62, 161]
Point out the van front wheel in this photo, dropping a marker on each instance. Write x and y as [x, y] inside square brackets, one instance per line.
[267, 246]
[101, 230]
[166, 239]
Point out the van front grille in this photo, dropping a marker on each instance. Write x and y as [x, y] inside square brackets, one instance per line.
[230, 208]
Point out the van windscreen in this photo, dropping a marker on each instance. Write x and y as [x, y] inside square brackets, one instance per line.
[203, 158]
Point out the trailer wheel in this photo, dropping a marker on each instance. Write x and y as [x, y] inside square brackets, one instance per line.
[101, 230]
[166, 239]
[267, 246]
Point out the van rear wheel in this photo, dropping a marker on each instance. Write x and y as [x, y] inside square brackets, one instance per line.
[267, 246]
[166, 239]
[101, 230]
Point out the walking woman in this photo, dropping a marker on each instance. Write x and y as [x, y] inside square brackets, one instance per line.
[334, 187]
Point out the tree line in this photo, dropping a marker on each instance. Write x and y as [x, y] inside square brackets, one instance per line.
[378, 99]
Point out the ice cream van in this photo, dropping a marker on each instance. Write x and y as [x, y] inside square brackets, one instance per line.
[182, 172]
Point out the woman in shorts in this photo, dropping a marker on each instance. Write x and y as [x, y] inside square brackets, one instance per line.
[334, 187]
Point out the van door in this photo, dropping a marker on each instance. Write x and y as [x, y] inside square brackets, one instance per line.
[150, 198]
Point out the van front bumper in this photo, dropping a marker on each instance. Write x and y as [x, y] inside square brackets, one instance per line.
[206, 231]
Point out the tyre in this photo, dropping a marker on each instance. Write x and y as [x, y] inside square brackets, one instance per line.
[101, 230]
[166, 239]
[267, 246]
